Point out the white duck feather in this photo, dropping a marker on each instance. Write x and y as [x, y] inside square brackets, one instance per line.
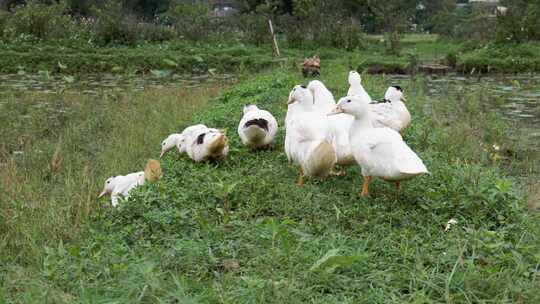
[120, 186]
[381, 152]
[392, 112]
[322, 97]
[306, 137]
[257, 128]
[355, 86]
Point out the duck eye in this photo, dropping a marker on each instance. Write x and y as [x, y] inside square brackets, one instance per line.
[348, 100]
[108, 182]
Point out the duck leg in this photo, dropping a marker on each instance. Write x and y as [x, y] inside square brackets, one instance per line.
[398, 187]
[365, 186]
[300, 182]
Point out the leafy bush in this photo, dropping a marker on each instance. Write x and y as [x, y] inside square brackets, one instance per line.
[470, 23]
[113, 25]
[192, 21]
[39, 20]
[306, 29]
[152, 32]
[519, 22]
[253, 28]
[3, 18]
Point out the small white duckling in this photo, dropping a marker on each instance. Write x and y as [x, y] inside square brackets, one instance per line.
[391, 112]
[178, 139]
[120, 186]
[170, 142]
[381, 152]
[306, 137]
[207, 144]
[257, 127]
[322, 97]
[355, 86]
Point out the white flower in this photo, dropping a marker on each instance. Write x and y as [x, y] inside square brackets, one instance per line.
[450, 223]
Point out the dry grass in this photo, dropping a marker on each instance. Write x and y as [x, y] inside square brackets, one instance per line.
[52, 168]
[533, 198]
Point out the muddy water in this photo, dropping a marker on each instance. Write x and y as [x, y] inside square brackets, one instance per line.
[93, 84]
[515, 97]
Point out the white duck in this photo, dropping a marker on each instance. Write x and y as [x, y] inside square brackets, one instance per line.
[206, 144]
[306, 143]
[337, 127]
[381, 152]
[322, 97]
[355, 86]
[120, 186]
[178, 139]
[257, 127]
[391, 112]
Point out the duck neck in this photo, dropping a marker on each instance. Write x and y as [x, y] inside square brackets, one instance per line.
[361, 123]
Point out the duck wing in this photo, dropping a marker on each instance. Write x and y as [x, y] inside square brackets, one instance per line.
[384, 115]
[392, 155]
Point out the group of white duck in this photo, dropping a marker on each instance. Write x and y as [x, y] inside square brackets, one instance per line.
[320, 134]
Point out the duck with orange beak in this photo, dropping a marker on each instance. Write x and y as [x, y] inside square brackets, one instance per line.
[380, 152]
[307, 140]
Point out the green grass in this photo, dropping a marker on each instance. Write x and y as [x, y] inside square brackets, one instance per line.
[76, 57]
[241, 231]
[513, 58]
[175, 56]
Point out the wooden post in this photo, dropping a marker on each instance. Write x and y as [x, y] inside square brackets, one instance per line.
[274, 40]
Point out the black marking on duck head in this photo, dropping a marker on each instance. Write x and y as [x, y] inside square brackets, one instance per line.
[261, 123]
[200, 139]
[303, 87]
[381, 101]
[398, 88]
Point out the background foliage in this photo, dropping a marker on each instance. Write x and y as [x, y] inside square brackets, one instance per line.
[302, 22]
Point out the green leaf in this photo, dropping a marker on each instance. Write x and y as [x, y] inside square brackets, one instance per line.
[62, 66]
[331, 261]
[69, 79]
[160, 73]
[198, 58]
[45, 75]
[170, 62]
[503, 185]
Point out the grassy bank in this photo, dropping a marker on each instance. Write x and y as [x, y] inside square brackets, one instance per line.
[240, 230]
[75, 57]
[176, 57]
[57, 149]
[513, 58]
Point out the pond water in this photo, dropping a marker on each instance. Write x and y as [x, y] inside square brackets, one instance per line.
[515, 97]
[93, 84]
